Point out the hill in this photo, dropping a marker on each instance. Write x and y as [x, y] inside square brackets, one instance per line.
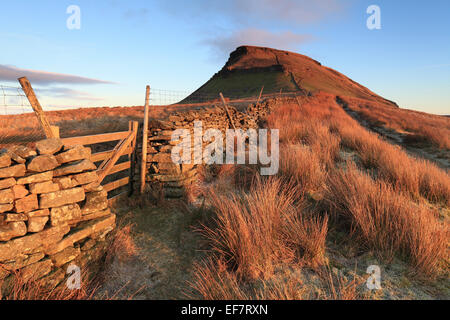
[250, 68]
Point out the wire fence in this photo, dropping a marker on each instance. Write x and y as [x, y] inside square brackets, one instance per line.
[161, 97]
[13, 101]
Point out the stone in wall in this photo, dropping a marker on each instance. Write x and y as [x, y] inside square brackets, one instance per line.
[6, 196]
[12, 230]
[76, 167]
[65, 213]
[5, 159]
[27, 204]
[49, 146]
[82, 231]
[19, 191]
[42, 163]
[74, 154]
[61, 198]
[44, 187]
[37, 224]
[35, 178]
[13, 171]
[95, 201]
[7, 183]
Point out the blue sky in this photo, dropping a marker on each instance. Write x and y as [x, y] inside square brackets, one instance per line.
[178, 45]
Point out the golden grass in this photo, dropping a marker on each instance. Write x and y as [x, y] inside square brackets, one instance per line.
[256, 231]
[422, 127]
[388, 222]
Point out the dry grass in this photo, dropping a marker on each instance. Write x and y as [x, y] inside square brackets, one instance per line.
[416, 176]
[269, 223]
[388, 222]
[121, 246]
[256, 231]
[422, 127]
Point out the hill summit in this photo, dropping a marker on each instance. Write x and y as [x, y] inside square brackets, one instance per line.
[250, 68]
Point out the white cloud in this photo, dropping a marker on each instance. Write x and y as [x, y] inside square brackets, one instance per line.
[11, 74]
[222, 44]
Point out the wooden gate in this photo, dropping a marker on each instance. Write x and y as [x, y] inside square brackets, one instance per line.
[110, 172]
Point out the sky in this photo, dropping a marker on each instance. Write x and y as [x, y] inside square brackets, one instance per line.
[122, 46]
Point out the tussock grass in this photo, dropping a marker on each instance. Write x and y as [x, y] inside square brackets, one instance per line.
[256, 231]
[388, 222]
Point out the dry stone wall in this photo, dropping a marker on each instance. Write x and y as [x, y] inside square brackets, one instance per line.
[53, 212]
[174, 178]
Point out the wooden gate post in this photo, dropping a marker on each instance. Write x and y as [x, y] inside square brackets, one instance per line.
[28, 90]
[133, 127]
[145, 140]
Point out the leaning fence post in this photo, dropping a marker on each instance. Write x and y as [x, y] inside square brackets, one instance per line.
[28, 90]
[226, 109]
[145, 140]
[260, 94]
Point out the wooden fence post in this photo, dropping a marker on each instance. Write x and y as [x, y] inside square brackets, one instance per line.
[28, 90]
[145, 140]
[226, 109]
[134, 127]
[260, 95]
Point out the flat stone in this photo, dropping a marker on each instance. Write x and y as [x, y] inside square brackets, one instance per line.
[23, 151]
[37, 224]
[61, 198]
[169, 168]
[7, 183]
[32, 242]
[27, 204]
[19, 191]
[12, 230]
[81, 232]
[15, 217]
[49, 146]
[38, 213]
[76, 167]
[5, 159]
[61, 258]
[15, 157]
[9, 267]
[95, 215]
[64, 214]
[160, 157]
[65, 183]
[13, 171]
[35, 178]
[92, 187]
[44, 187]
[36, 270]
[85, 178]
[95, 201]
[6, 207]
[42, 163]
[74, 154]
[6, 196]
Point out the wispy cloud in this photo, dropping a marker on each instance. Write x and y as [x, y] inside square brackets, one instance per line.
[249, 12]
[272, 23]
[66, 93]
[222, 44]
[11, 73]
